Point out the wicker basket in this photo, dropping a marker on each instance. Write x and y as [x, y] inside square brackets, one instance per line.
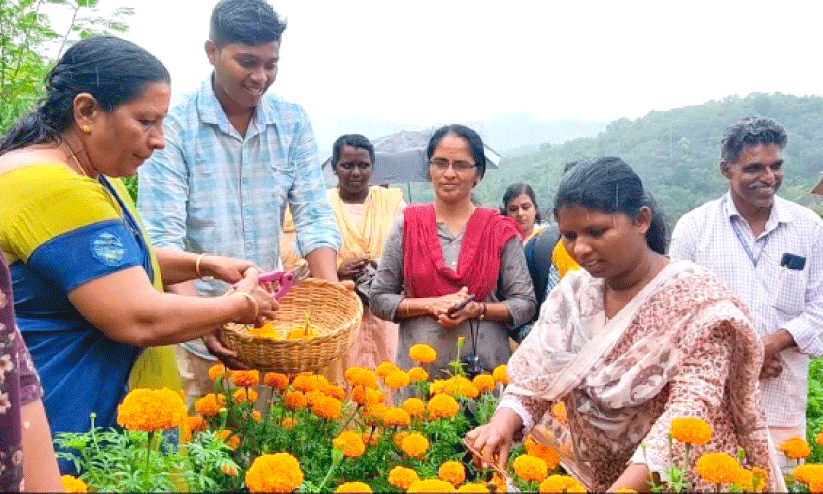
[335, 313]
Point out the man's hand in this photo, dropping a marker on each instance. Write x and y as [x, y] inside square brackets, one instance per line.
[351, 268]
[773, 344]
[224, 354]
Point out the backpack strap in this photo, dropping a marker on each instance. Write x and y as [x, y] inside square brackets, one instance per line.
[539, 260]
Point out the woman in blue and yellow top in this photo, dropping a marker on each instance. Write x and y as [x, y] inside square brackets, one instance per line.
[88, 288]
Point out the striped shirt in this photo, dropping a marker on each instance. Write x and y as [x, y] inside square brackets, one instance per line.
[716, 236]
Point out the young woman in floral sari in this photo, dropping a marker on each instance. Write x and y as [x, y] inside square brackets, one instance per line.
[629, 343]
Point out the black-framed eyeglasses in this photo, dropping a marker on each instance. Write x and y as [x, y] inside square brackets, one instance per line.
[459, 166]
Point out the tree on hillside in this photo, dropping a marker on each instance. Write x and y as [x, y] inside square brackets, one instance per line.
[29, 44]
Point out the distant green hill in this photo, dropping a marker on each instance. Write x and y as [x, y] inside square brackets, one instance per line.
[675, 152]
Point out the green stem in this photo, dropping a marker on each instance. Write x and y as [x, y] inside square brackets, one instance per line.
[148, 455]
[337, 457]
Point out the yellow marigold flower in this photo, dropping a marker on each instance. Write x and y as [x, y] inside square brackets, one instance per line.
[151, 410]
[196, 423]
[288, 423]
[417, 374]
[350, 443]
[560, 483]
[231, 439]
[746, 482]
[397, 379]
[414, 407]
[334, 391]
[544, 452]
[228, 468]
[484, 382]
[422, 353]
[73, 484]
[402, 477]
[398, 438]
[761, 479]
[295, 400]
[808, 472]
[276, 380]
[452, 472]
[796, 448]
[353, 487]
[216, 370]
[326, 408]
[500, 375]
[529, 467]
[396, 417]
[313, 396]
[279, 472]
[385, 368]
[246, 379]
[373, 414]
[717, 468]
[691, 430]
[257, 416]
[459, 385]
[473, 487]
[243, 395]
[210, 405]
[437, 387]
[415, 445]
[624, 489]
[360, 376]
[442, 406]
[305, 383]
[431, 485]
[559, 412]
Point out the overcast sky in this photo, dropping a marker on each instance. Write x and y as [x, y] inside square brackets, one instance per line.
[426, 62]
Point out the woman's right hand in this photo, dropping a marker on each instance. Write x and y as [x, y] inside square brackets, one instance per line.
[439, 306]
[494, 440]
[266, 306]
[351, 268]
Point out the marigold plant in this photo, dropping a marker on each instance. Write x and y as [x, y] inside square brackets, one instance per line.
[691, 430]
[151, 410]
[353, 487]
[276, 380]
[560, 483]
[398, 439]
[749, 481]
[216, 370]
[306, 383]
[414, 407]
[484, 382]
[431, 485]
[500, 375]
[73, 484]
[196, 423]
[808, 473]
[210, 405]
[396, 417]
[442, 406]
[350, 443]
[530, 468]
[246, 379]
[229, 468]
[295, 400]
[385, 368]
[231, 439]
[542, 451]
[415, 445]
[334, 391]
[279, 472]
[717, 468]
[796, 448]
[288, 423]
[360, 376]
[452, 472]
[243, 395]
[397, 379]
[422, 353]
[326, 408]
[473, 487]
[418, 374]
[402, 477]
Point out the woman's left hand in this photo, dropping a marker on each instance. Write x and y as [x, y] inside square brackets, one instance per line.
[472, 310]
[226, 269]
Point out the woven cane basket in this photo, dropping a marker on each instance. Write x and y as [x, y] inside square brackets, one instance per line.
[335, 314]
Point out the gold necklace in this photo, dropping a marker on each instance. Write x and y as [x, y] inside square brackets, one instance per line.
[71, 154]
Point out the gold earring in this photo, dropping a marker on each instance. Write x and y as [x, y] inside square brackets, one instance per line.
[86, 129]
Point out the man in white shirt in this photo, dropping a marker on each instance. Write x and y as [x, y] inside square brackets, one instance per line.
[769, 251]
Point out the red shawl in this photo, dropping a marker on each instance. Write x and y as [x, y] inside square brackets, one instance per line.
[478, 265]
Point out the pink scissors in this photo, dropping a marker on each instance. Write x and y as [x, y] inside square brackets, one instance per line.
[284, 279]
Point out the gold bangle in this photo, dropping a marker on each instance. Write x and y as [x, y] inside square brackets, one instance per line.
[251, 299]
[197, 264]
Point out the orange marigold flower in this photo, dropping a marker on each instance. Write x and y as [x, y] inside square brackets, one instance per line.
[305, 383]
[246, 379]
[288, 423]
[460, 386]
[276, 380]
[497, 482]
[279, 472]
[415, 445]
[691, 430]
[210, 405]
[560, 483]
[473, 487]
[353, 487]
[418, 374]
[370, 438]
[257, 416]
[397, 379]
[217, 370]
[819, 438]
[431, 485]
[151, 410]
[717, 468]
[529, 467]
[196, 423]
[373, 414]
[313, 396]
[326, 408]
[414, 406]
[350, 443]
[796, 448]
[231, 439]
[385, 368]
[484, 382]
[422, 353]
[442, 406]
[295, 400]
[816, 485]
[500, 375]
[396, 417]
[244, 395]
[808, 472]
[437, 387]
[402, 477]
[229, 468]
[73, 484]
[334, 391]
[544, 452]
[747, 482]
[398, 439]
[360, 376]
[452, 472]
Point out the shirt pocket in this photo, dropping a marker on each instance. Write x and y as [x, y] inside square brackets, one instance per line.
[790, 297]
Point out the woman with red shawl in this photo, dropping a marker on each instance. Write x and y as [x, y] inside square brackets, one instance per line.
[439, 255]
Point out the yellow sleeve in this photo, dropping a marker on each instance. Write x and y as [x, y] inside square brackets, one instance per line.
[562, 260]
